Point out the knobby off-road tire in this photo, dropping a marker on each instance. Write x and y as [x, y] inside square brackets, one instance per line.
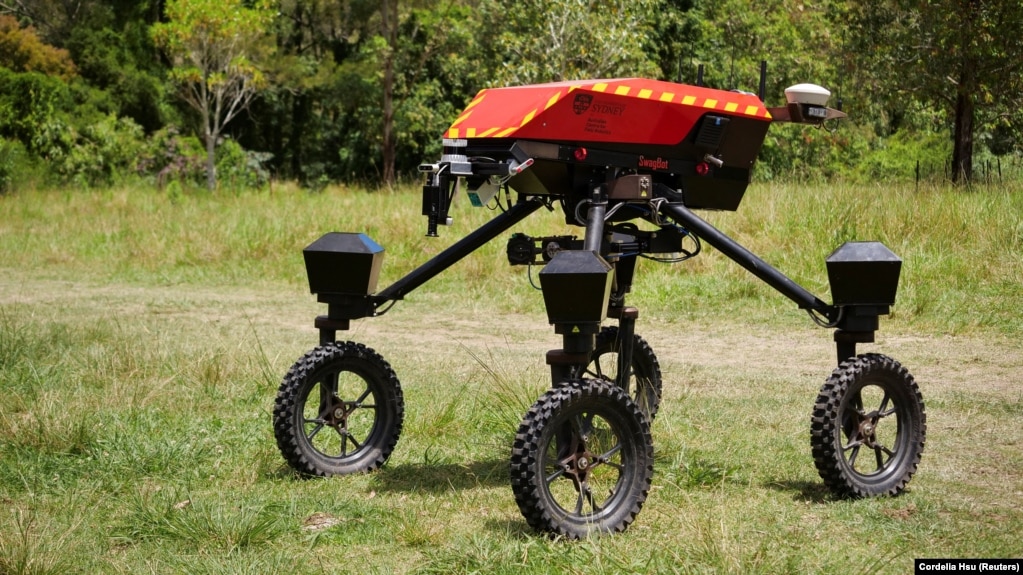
[582, 460]
[645, 378]
[338, 411]
[868, 428]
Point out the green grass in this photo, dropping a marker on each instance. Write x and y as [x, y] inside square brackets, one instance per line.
[143, 337]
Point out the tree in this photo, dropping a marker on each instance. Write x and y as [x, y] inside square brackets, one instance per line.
[324, 115]
[795, 39]
[114, 52]
[21, 50]
[962, 57]
[553, 40]
[53, 18]
[34, 90]
[436, 71]
[302, 115]
[441, 66]
[389, 30]
[392, 50]
[213, 45]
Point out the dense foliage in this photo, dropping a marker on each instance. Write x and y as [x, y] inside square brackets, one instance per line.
[90, 90]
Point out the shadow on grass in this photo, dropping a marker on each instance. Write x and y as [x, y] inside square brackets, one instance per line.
[430, 477]
[438, 477]
[806, 491]
[515, 527]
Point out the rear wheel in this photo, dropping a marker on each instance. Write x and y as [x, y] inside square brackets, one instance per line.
[582, 460]
[868, 427]
[338, 411]
[644, 382]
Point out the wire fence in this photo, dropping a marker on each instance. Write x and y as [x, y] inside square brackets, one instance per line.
[990, 171]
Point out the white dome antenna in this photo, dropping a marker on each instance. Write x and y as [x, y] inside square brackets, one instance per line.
[807, 104]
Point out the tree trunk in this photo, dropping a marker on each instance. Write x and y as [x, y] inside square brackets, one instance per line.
[211, 164]
[298, 125]
[962, 139]
[389, 23]
[966, 92]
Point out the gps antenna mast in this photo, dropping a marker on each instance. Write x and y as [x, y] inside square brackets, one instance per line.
[763, 80]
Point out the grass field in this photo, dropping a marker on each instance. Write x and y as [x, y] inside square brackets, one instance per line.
[143, 336]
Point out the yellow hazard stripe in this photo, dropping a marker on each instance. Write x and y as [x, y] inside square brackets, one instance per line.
[622, 91]
[711, 103]
[505, 132]
[528, 117]
[461, 118]
[477, 100]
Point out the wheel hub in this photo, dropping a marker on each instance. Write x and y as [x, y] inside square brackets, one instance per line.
[867, 430]
[579, 465]
[337, 413]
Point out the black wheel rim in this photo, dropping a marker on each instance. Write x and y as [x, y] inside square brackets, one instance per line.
[339, 415]
[872, 442]
[584, 464]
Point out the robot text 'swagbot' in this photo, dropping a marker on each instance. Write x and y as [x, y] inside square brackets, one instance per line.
[611, 154]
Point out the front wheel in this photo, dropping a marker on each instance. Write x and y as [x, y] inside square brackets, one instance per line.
[582, 461]
[338, 411]
[868, 428]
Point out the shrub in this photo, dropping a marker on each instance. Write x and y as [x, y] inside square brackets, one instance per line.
[170, 157]
[31, 106]
[9, 152]
[101, 153]
[238, 168]
[896, 157]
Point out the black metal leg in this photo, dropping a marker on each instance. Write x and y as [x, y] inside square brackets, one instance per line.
[458, 250]
[626, 332]
[846, 340]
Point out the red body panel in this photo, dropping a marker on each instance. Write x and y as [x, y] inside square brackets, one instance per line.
[623, 111]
